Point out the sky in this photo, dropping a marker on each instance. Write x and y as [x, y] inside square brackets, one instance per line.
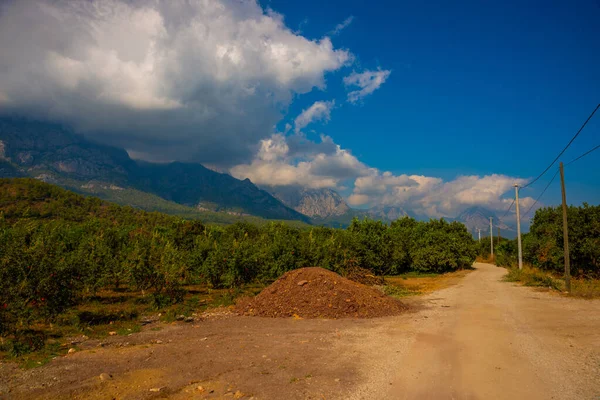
[431, 106]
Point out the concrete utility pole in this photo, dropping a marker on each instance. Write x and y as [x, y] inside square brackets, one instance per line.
[479, 233]
[518, 226]
[491, 238]
[565, 230]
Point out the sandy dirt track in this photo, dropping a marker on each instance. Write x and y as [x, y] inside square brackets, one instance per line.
[480, 339]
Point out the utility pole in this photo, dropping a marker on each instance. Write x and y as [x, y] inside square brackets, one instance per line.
[479, 233]
[565, 230]
[491, 239]
[518, 226]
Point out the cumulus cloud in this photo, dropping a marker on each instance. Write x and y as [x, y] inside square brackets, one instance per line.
[343, 25]
[357, 199]
[296, 160]
[316, 165]
[300, 146]
[201, 80]
[433, 196]
[319, 111]
[367, 82]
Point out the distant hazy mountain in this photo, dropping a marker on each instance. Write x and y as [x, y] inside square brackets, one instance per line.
[53, 153]
[477, 217]
[315, 203]
[387, 213]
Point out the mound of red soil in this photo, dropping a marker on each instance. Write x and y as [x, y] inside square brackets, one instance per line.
[319, 293]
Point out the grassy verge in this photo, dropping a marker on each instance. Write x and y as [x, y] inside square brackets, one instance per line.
[531, 276]
[585, 288]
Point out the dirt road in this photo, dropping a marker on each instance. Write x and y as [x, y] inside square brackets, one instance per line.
[487, 339]
[480, 339]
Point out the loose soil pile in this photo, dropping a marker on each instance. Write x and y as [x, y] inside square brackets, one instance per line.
[319, 293]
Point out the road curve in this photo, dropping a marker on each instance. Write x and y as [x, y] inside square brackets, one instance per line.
[488, 339]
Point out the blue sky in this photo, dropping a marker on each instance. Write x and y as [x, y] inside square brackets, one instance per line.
[476, 87]
[432, 107]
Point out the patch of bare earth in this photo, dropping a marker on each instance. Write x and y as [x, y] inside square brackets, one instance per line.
[223, 357]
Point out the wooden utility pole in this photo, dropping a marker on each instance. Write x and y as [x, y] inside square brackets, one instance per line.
[518, 226]
[565, 230]
[491, 239]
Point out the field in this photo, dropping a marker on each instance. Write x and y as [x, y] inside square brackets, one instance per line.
[125, 312]
[463, 339]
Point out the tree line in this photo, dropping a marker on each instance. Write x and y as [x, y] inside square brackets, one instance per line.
[543, 246]
[58, 249]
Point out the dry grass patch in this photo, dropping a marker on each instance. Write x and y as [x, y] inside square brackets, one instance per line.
[531, 276]
[487, 260]
[586, 288]
[416, 284]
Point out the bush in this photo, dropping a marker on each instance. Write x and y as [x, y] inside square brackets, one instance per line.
[531, 276]
[543, 245]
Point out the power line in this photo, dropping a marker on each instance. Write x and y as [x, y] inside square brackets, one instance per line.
[555, 174]
[509, 207]
[541, 194]
[566, 147]
[583, 155]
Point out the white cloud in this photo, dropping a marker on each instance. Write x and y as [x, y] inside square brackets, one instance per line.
[319, 111]
[367, 82]
[295, 160]
[202, 79]
[316, 165]
[357, 199]
[341, 26]
[432, 196]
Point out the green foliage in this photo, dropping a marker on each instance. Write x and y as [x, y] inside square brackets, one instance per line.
[532, 277]
[543, 245]
[58, 249]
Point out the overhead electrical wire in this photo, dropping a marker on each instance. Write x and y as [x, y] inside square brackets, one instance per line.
[566, 147]
[541, 194]
[583, 155]
[509, 207]
[556, 173]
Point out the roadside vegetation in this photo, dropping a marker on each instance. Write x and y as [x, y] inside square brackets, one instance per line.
[543, 256]
[73, 265]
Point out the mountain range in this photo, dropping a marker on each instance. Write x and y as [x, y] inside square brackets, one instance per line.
[315, 203]
[55, 154]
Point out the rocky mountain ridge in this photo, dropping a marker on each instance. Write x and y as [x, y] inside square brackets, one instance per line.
[315, 203]
[54, 153]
